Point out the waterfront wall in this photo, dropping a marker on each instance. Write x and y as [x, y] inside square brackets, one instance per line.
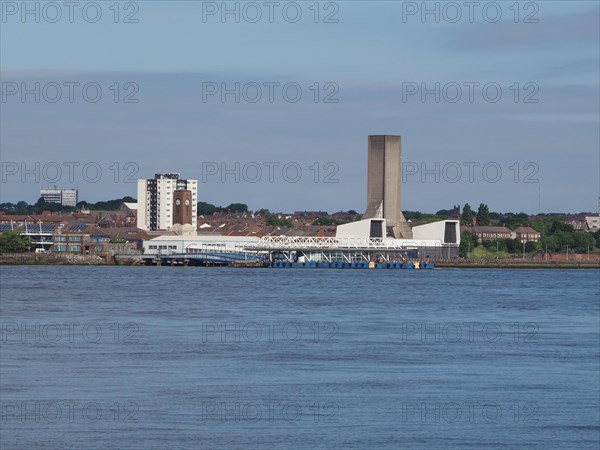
[518, 264]
[54, 259]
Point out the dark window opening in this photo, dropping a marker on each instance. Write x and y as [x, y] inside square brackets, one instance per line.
[450, 233]
[376, 229]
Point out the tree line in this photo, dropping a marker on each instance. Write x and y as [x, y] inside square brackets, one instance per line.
[556, 234]
[23, 208]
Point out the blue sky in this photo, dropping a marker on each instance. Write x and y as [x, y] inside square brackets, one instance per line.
[548, 150]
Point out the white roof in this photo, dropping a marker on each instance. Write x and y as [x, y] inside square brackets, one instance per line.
[206, 238]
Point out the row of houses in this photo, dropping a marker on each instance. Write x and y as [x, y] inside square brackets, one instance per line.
[80, 238]
[98, 241]
[527, 234]
[102, 219]
[111, 232]
[88, 234]
[491, 233]
[255, 223]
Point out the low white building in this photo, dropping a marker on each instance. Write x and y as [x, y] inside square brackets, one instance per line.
[434, 240]
[445, 232]
[167, 245]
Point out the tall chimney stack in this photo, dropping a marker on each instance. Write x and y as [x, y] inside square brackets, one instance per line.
[384, 182]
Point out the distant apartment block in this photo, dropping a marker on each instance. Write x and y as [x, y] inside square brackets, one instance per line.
[490, 233]
[166, 200]
[66, 197]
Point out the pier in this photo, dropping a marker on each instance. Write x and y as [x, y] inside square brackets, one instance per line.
[342, 252]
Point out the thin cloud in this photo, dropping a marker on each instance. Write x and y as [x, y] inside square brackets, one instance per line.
[547, 33]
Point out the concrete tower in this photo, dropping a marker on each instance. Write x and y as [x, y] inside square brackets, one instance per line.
[383, 185]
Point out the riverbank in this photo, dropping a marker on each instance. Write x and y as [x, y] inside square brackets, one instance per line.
[52, 259]
[516, 264]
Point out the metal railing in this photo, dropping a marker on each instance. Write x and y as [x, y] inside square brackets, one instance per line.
[332, 243]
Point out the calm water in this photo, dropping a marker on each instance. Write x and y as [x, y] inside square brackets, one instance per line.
[151, 357]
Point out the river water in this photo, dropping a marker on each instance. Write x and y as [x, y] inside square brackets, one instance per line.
[191, 357]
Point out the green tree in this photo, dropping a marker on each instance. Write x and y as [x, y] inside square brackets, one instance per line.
[107, 205]
[445, 213]
[419, 216]
[43, 205]
[275, 221]
[557, 235]
[550, 242]
[328, 221]
[237, 207]
[413, 215]
[11, 242]
[531, 246]
[512, 245]
[483, 215]
[207, 209]
[22, 208]
[500, 244]
[545, 225]
[560, 226]
[514, 221]
[466, 217]
[468, 241]
[565, 239]
[583, 241]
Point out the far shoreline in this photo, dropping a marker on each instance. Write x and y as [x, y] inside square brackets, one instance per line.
[520, 265]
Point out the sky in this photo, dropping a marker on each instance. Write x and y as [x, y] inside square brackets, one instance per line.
[271, 103]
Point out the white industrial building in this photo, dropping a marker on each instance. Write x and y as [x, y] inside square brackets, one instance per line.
[356, 241]
[382, 235]
[367, 240]
[167, 245]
